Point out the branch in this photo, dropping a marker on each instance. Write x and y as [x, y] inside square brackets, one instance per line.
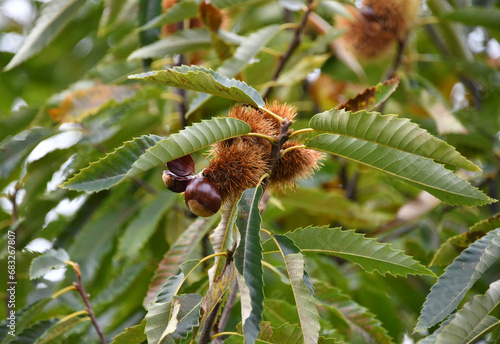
[295, 43]
[79, 287]
[276, 147]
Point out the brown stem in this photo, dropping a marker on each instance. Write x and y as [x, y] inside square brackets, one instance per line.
[85, 297]
[231, 299]
[295, 43]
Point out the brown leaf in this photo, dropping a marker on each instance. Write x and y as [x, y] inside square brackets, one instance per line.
[210, 16]
[83, 103]
[372, 97]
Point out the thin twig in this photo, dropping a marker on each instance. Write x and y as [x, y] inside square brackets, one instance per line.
[231, 299]
[295, 43]
[85, 297]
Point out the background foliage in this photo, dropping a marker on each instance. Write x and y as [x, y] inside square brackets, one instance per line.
[67, 100]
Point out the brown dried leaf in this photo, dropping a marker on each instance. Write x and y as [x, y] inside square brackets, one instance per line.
[372, 97]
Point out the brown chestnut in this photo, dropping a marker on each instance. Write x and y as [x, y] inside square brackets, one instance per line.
[202, 197]
[174, 182]
[183, 166]
[369, 13]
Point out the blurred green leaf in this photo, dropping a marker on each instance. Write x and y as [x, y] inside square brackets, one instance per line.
[60, 328]
[50, 260]
[176, 43]
[475, 16]
[54, 17]
[178, 12]
[132, 335]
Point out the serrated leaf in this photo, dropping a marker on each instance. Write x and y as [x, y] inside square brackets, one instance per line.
[472, 321]
[185, 316]
[389, 131]
[452, 248]
[306, 306]
[431, 339]
[217, 291]
[54, 16]
[356, 248]
[458, 278]
[475, 16]
[60, 328]
[361, 320]
[176, 43]
[169, 289]
[204, 80]
[248, 262]
[247, 50]
[50, 260]
[132, 335]
[111, 169]
[421, 172]
[372, 97]
[177, 253]
[179, 11]
[143, 226]
[486, 225]
[148, 151]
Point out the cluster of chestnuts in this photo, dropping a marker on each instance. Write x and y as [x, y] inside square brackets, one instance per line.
[201, 195]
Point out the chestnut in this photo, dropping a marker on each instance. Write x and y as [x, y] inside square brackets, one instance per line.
[202, 197]
[174, 182]
[183, 166]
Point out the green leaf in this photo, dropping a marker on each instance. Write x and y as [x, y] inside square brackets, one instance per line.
[217, 291]
[458, 278]
[372, 97]
[132, 335]
[169, 289]
[431, 339]
[301, 70]
[361, 320]
[113, 168]
[389, 131]
[143, 226]
[180, 250]
[53, 18]
[306, 307]
[179, 11]
[14, 149]
[204, 80]
[185, 316]
[356, 248]
[413, 169]
[222, 238]
[472, 321]
[475, 16]
[23, 319]
[17, 121]
[185, 308]
[176, 43]
[60, 328]
[30, 335]
[487, 225]
[50, 260]
[149, 151]
[248, 262]
[247, 50]
[156, 321]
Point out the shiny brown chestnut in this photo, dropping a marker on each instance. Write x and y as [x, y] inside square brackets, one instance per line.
[202, 197]
[174, 182]
[183, 166]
